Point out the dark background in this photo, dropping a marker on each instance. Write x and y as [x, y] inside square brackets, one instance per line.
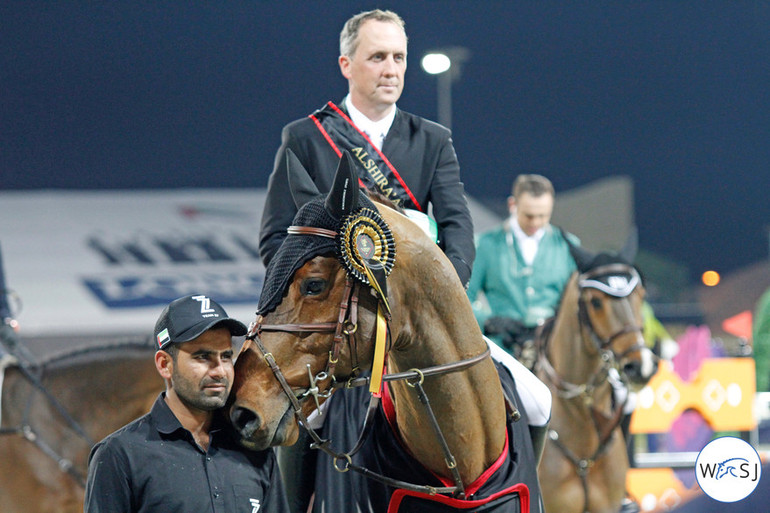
[193, 94]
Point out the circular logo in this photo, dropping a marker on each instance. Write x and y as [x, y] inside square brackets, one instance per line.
[365, 246]
[364, 237]
[728, 469]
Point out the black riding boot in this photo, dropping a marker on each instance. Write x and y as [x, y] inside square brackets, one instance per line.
[298, 464]
[538, 434]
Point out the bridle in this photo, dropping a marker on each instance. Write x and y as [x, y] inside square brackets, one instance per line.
[587, 280]
[604, 425]
[595, 344]
[346, 327]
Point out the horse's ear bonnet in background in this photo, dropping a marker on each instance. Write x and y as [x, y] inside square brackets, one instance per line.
[611, 273]
[363, 238]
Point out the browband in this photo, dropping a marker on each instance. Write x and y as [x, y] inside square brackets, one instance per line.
[311, 230]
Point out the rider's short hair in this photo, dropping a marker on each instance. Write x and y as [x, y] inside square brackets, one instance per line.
[349, 34]
[536, 185]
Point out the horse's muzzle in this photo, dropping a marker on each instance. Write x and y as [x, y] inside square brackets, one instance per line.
[640, 371]
[247, 423]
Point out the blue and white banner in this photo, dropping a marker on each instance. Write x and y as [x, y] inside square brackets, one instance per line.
[108, 262]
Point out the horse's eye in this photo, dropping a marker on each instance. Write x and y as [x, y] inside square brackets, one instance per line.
[312, 286]
[596, 303]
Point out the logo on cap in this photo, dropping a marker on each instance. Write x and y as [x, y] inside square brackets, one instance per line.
[163, 337]
[205, 305]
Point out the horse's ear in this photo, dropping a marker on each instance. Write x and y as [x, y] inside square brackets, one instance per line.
[631, 246]
[582, 256]
[302, 187]
[343, 198]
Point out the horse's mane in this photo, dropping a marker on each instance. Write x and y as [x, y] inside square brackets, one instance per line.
[378, 197]
[94, 352]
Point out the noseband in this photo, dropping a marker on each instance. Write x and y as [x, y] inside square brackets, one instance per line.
[599, 345]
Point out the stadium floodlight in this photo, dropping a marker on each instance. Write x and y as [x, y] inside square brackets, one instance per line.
[435, 63]
[445, 63]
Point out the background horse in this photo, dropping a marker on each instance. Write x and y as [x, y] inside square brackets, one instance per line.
[319, 324]
[598, 328]
[52, 413]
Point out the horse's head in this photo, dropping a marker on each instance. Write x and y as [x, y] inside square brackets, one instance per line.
[611, 295]
[297, 339]
[304, 338]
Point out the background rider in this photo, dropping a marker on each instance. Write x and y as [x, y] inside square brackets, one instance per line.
[522, 266]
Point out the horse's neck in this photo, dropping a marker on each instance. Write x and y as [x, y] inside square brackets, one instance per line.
[100, 397]
[567, 350]
[433, 324]
[130, 381]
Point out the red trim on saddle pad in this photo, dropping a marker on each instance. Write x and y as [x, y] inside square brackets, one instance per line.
[390, 415]
[520, 488]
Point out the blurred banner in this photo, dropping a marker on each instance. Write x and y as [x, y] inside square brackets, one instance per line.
[107, 262]
[85, 262]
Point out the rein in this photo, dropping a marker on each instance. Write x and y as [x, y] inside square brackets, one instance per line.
[604, 425]
[345, 327]
[414, 379]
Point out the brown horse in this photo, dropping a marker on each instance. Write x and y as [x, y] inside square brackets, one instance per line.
[53, 412]
[597, 333]
[322, 316]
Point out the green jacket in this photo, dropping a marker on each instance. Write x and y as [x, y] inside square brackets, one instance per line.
[529, 294]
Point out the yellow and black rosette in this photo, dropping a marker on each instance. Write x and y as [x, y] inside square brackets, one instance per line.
[366, 241]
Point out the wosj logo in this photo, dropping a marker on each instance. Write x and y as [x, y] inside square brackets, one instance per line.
[728, 469]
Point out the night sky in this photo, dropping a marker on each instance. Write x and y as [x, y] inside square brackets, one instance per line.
[193, 94]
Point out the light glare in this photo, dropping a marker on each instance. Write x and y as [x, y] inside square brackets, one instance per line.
[435, 63]
[710, 278]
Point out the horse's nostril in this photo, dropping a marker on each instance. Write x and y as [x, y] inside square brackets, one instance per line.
[632, 369]
[244, 420]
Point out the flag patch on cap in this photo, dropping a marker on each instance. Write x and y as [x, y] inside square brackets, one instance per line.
[163, 337]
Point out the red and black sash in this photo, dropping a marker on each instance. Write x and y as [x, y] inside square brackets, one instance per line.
[375, 171]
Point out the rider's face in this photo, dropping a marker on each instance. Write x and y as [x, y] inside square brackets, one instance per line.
[531, 212]
[375, 71]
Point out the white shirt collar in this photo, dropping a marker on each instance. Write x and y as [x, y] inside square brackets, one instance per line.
[519, 233]
[528, 244]
[376, 130]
